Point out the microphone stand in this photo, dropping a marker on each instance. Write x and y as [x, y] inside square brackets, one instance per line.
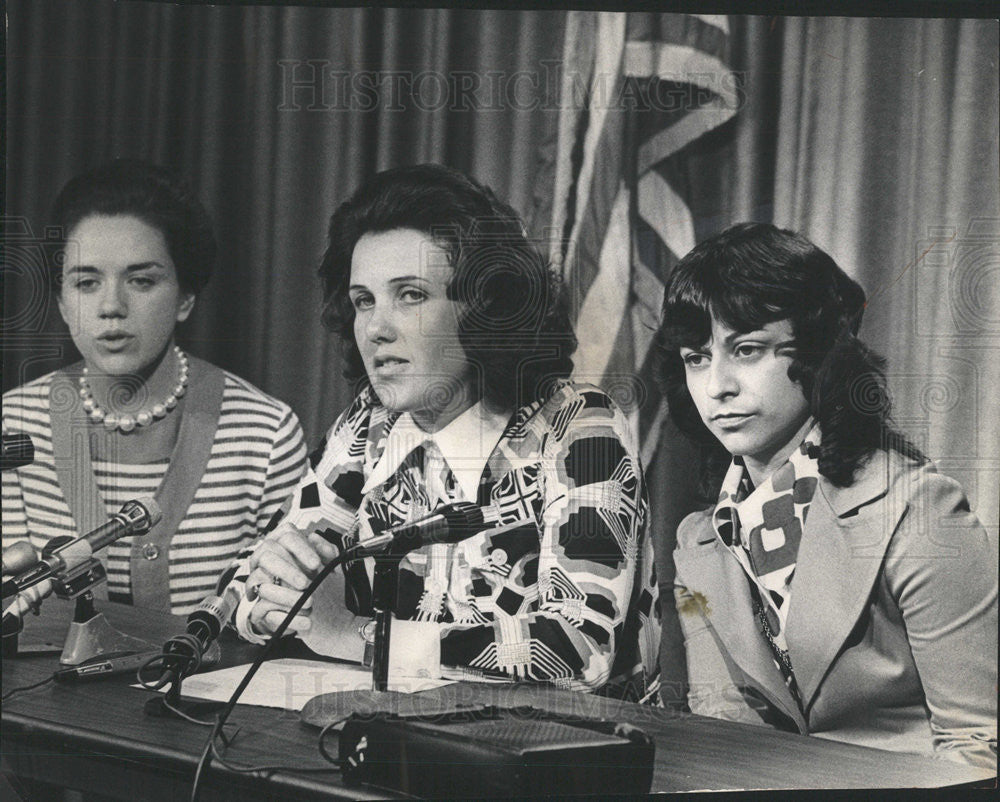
[90, 635]
[170, 704]
[384, 585]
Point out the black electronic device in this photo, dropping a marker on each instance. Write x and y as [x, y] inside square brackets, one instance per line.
[494, 752]
[18, 451]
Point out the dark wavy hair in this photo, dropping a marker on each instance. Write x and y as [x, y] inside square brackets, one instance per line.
[753, 274]
[155, 196]
[515, 327]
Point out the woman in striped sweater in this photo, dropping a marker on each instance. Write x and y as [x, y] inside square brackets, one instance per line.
[137, 416]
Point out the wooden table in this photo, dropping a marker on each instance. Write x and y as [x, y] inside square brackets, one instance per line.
[95, 737]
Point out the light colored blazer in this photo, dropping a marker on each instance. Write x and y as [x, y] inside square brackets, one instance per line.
[892, 629]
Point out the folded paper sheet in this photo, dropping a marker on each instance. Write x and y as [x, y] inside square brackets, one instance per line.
[290, 683]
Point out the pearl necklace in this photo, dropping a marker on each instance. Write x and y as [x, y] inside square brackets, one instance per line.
[127, 423]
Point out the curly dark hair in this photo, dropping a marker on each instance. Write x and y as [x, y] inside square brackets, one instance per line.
[155, 196]
[753, 274]
[516, 324]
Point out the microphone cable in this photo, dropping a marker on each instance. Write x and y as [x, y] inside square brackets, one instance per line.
[221, 718]
[26, 688]
[265, 769]
[192, 658]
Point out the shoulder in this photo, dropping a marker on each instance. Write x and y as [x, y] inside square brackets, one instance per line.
[354, 421]
[347, 437]
[578, 407]
[35, 389]
[922, 506]
[578, 434]
[694, 528]
[578, 396]
[890, 478]
[940, 562]
[934, 501]
[28, 400]
[241, 397]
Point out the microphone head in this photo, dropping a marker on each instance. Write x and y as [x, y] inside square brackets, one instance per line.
[464, 519]
[18, 557]
[152, 509]
[141, 515]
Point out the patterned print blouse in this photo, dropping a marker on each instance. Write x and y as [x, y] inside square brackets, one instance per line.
[762, 527]
[561, 594]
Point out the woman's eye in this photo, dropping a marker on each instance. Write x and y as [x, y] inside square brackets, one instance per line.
[362, 302]
[412, 295]
[748, 349]
[694, 360]
[85, 284]
[143, 282]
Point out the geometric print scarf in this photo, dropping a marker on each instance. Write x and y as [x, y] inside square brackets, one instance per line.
[762, 527]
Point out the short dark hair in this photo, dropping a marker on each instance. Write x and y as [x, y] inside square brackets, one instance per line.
[516, 325]
[155, 196]
[753, 274]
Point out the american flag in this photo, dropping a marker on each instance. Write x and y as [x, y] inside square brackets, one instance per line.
[637, 89]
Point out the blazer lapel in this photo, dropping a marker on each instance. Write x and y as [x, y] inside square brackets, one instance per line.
[711, 571]
[842, 548]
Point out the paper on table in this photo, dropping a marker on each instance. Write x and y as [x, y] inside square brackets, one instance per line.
[290, 683]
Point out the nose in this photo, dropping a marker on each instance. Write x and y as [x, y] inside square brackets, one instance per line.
[379, 327]
[721, 379]
[113, 301]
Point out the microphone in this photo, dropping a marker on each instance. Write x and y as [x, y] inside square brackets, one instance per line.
[18, 451]
[18, 557]
[448, 524]
[183, 654]
[136, 517]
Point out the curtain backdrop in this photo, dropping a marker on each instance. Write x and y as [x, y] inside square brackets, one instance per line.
[276, 115]
[877, 138]
[888, 158]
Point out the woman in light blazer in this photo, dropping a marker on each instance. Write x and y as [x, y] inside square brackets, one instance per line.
[839, 586]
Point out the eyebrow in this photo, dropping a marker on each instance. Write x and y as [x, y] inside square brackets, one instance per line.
[397, 280]
[761, 333]
[731, 338]
[134, 268]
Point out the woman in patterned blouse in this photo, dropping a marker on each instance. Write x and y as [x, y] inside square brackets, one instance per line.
[459, 338]
[840, 586]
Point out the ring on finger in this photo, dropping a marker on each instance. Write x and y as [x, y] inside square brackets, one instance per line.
[277, 581]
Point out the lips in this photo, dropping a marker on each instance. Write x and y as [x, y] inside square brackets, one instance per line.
[388, 365]
[731, 420]
[114, 340]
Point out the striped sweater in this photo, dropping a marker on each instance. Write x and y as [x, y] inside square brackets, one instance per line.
[257, 457]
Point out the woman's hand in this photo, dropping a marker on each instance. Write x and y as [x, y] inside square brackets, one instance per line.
[281, 568]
